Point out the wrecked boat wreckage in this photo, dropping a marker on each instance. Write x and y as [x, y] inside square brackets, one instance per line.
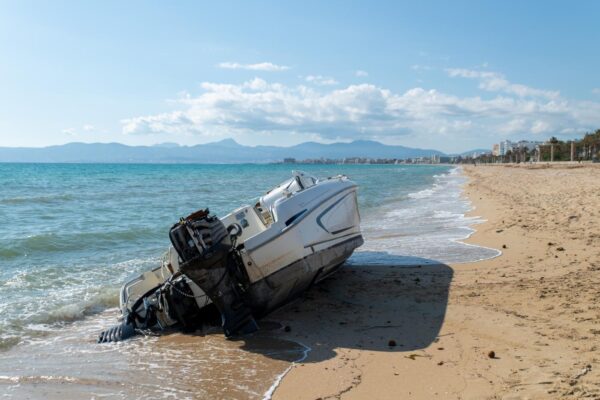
[246, 264]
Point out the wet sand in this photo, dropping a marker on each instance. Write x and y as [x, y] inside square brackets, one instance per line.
[522, 325]
[68, 364]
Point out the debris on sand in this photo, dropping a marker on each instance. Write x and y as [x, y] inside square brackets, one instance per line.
[414, 356]
[583, 372]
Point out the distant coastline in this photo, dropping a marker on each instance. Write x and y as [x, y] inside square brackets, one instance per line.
[226, 151]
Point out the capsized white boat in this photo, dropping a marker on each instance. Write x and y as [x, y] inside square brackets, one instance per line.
[247, 263]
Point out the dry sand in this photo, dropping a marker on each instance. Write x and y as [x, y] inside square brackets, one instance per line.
[537, 306]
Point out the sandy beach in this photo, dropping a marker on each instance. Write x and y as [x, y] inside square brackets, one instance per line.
[523, 325]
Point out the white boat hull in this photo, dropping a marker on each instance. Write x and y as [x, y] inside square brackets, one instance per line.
[296, 235]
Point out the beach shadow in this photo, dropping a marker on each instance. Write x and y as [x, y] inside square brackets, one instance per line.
[396, 306]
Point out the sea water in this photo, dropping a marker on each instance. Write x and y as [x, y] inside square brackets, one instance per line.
[70, 234]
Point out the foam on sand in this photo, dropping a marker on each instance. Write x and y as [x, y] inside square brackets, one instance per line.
[430, 224]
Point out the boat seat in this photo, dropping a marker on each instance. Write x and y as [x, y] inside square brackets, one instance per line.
[264, 236]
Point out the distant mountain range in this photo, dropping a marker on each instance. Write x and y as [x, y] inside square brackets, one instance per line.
[224, 151]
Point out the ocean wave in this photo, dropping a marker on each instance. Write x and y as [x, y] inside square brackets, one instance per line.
[36, 301]
[8, 341]
[8, 253]
[47, 321]
[422, 194]
[18, 280]
[444, 214]
[38, 199]
[41, 379]
[454, 171]
[100, 301]
[73, 241]
[439, 185]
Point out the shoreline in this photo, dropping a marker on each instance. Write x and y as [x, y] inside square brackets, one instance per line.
[535, 306]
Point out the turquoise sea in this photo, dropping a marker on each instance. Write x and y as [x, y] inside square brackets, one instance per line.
[70, 234]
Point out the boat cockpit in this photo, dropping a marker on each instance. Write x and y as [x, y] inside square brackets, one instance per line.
[253, 220]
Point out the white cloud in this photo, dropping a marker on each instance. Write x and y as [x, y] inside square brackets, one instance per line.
[174, 123]
[321, 80]
[87, 128]
[541, 127]
[427, 116]
[495, 82]
[361, 74]
[420, 68]
[264, 66]
[596, 90]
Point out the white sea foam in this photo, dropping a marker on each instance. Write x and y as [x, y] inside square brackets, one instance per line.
[422, 194]
[43, 299]
[447, 214]
[429, 224]
[269, 393]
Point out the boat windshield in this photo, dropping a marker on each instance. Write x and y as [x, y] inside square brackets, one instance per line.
[299, 181]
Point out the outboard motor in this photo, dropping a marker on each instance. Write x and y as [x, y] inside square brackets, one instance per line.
[208, 258]
[171, 304]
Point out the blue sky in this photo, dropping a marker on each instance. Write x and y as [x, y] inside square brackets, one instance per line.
[447, 75]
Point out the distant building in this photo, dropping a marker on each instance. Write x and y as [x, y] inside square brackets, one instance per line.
[526, 144]
[496, 149]
[480, 153]
[505, 146]
[289, 160]
[447, 159]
